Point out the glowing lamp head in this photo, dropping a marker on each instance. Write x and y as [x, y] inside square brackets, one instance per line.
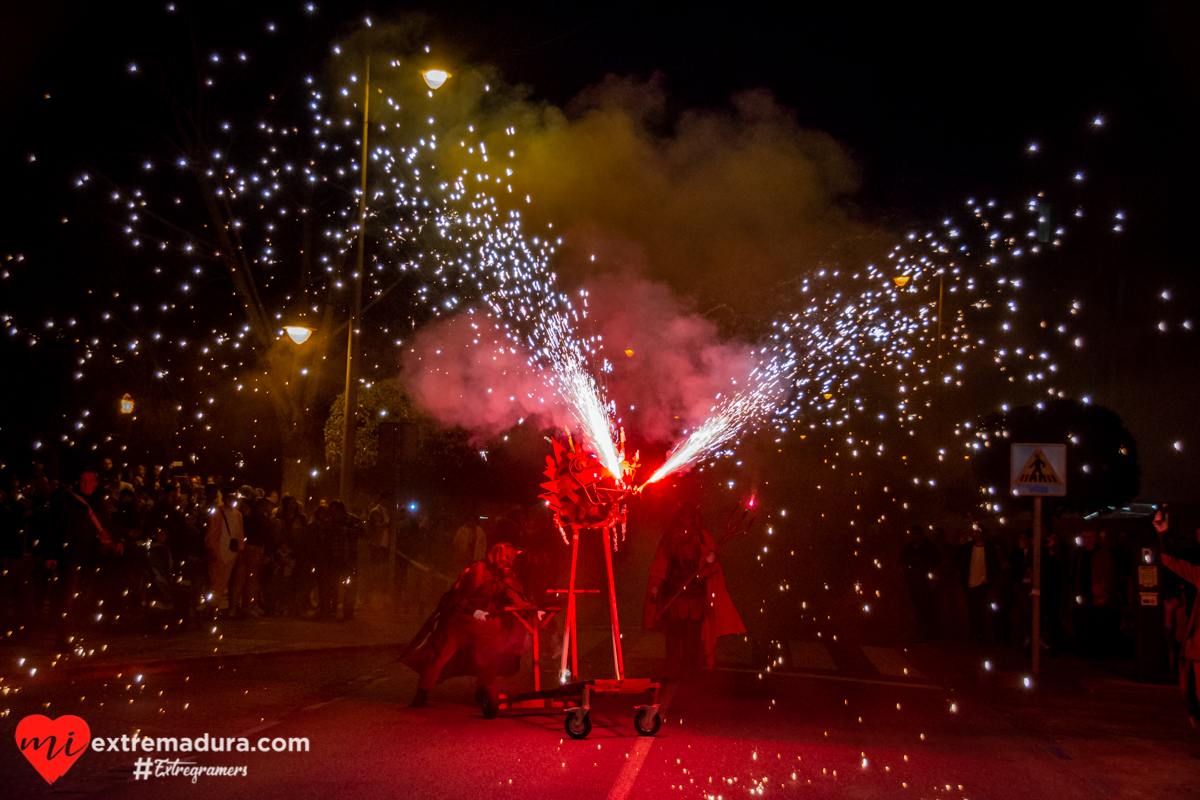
[901, 281]
[434, 78]
[298, 333]
[126, 404]
[629, 353]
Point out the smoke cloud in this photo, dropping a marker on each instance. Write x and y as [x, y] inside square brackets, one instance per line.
[685, 226]
[464, 371]
[724, 205]
[668, 365]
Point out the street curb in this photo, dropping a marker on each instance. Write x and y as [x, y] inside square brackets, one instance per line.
[174, 665]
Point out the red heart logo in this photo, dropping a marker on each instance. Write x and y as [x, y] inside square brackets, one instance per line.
[53, 745]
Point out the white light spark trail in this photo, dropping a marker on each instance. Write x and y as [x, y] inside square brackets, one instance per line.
[523, 292]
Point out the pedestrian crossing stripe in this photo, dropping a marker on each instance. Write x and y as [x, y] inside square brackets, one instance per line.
[1037, 470]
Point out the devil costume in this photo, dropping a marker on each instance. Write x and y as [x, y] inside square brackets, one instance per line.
[470, 633]
[685, 568]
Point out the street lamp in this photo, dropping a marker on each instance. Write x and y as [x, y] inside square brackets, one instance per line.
[434, 78]
[298, 333]
[126, 404]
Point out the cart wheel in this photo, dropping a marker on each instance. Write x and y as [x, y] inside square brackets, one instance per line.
[490, 708]
[578, 725]
[647, 722]
[489, 705]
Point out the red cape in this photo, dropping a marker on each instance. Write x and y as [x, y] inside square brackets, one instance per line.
[428, 642]
[720, 618]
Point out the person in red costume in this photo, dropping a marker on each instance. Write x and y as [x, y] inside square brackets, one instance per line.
[1189, 662]
[686, 597]
[470, 633]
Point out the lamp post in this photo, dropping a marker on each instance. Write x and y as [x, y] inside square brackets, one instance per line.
[350, 409]
[434, 78]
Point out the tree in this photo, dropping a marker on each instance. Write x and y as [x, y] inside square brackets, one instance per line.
[244, 216]
[377, 402]
[1102, 462]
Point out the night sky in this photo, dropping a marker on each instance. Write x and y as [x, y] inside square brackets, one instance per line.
[933, 108]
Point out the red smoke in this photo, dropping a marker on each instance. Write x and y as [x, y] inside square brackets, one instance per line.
[463, 371]
[678, 365]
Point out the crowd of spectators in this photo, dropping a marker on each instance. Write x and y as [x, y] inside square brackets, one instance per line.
[159, 548]
[974, 586]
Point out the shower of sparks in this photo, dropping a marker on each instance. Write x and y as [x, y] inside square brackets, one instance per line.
[544, 321]
[881, 324]
[859, 334]
[278, 198]
[877, 325]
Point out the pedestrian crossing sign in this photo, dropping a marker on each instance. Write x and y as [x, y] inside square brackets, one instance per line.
[1039, 470]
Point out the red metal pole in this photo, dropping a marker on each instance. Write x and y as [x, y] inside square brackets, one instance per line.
[618, 661]
[569, 625]
[537, 656]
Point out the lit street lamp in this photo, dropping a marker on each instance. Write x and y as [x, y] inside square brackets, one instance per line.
[126, 404]
[298, 333]
[434, 78]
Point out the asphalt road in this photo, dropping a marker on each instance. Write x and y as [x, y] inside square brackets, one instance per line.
[846, 721]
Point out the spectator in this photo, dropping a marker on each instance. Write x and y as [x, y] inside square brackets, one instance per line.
[224, 541]
[339, 562]
[1094, 617]
[161, 566]
[921, 562]
[72, 552]
[212, 496]
[279, 562]
[1189, 660]
[1055, 602]
[245, 597]
[470, 543]
[1003, 597]
[294, 530]
[978, 570]
[167, 517]
[952, 609]
[187, 550]
[427, 546]
[127, 525]
[122, 587]
[378, 540]
[1021, 562]
[312, 554]
[40, 482]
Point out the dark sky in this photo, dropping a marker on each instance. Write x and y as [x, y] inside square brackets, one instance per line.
[935, 106]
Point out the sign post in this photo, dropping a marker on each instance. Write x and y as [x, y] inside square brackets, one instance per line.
[1038, 470]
